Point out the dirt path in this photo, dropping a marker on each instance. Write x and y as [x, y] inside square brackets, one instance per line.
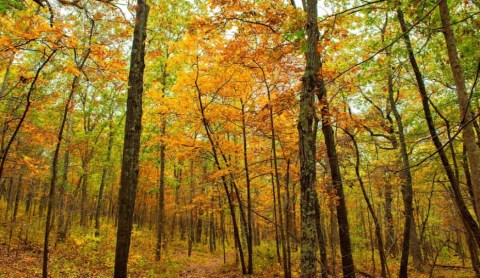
[209, 266]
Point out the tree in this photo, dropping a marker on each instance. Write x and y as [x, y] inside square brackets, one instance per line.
[131, 148]
[307, 131]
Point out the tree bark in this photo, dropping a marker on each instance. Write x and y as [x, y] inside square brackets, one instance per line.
[131, 148]
[307, 131]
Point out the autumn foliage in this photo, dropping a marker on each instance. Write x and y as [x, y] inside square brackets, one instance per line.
[231, 98]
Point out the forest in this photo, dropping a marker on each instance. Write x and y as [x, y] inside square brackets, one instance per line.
[255, 138]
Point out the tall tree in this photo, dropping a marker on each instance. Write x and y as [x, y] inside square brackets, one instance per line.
[467, 218]
[131, 148]
[307, 131]
[473, 150]
[348, 267]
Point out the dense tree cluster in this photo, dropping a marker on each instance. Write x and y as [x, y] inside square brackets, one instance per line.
[341, 138]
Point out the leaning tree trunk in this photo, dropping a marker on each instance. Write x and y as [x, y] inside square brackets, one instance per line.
[228, 192]
[407, 189]
[467, 218]
[378, 228]
[131, 148]
[53, 181]
[473, 152]
[5, 152]
[348, 267]
[313, 84]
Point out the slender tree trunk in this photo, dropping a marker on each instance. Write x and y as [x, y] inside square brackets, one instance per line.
[53, 181]
[103, 181]
[407, 189]
[9, 197]
[275, 216]
[228, 192]
[161, 182]
[348, 267]
[378, 228]
[131, 148]
[288, 217]
[62, 190]
[286, 271]
[24, 114]
[249, 198]
[191, 220]
[211, 229]
[83, 192]
[198, 232]
[13, 220]
[389, 232]
[29, 199]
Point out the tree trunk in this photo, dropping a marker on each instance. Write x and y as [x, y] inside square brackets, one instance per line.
[131, 148]
[103, 181]
[191, 220]
[391, 245]
[473, 151]
[61, 196]
[53, 181]
[407, 190]
[228, 192]
[24, 114]
[286, 271]
[13, 220]
[9, 197]
[468, 220]
[288, 216]
[83, 193]
[378, 228]
[249, 198]
[307, 131]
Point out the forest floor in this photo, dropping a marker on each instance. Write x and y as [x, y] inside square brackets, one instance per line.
[83, 255]
[18, 262]
[27, 262]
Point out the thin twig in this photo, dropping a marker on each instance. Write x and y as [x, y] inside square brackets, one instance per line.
[442, 147]
[385, 47]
